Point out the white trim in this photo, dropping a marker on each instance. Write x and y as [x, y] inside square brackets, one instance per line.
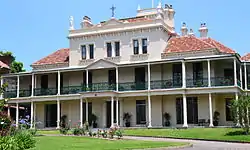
[245, 73]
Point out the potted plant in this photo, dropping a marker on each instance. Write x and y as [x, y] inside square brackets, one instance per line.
[216, 118]
[94, 119]
[127, 117]
[167, 119]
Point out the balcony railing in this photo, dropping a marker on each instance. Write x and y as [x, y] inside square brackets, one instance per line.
[101, 87]
[222, 81]
[192, 83]
[165, 84]
[24, 93]
[132, 86]
[10, 94]
[43, 92]
[72, 89]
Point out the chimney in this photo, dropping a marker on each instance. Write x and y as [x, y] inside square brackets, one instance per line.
[184, 29]
[191, 32]
[86, 22]
[203, 30]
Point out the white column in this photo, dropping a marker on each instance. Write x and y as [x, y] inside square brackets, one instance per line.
[121, 113]
[87, 110]
[149, 111]
[32, 84]
[149, 77]
[117, 78]
[9, 111]
[117, 111]
[58, 113]
[235, 72]
[246, 74]
[241, 82]
[17, 115]
[183, 75]
[185, 111]
[104, 114]
[238, 120]
[32, 114]
[208, 73]
[81, 113]
[18, 86]
[87, 78]
[140, 46]
[58, 83]
[112, 111]
[210, 110]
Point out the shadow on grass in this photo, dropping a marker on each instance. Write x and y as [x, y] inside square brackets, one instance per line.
[236, 133]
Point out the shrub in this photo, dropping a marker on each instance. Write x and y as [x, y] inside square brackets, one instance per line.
[64, 131]
[104, 134]
[76, 131]
[118, 133]
[82, 131]
[33, 131]
[24, 140]
[5, 124]
[8, 143]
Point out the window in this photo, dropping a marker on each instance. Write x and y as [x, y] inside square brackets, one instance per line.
[91, 51]
[109, 49]
[84, 51]
[140, 112]
[144, 46]
[136, 47]
[177, 75]
[229, 112]
[117, 48]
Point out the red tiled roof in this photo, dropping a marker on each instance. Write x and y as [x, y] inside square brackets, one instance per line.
[192, 43]
[3, 65]
[60, 56]
[185, 44]
[219, 46]
[246, 57]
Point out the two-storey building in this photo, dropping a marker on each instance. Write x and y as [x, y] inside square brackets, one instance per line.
[138, 65]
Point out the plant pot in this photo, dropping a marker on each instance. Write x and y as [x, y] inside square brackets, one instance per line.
[216, 123]
[127, 124]
[94, 125]
[167, 123]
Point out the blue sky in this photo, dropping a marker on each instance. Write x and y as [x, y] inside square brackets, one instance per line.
[32, 29]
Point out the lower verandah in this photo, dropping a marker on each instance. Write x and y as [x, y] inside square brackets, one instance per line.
[197, 109]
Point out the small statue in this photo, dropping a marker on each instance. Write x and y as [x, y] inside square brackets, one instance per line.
[71, 23]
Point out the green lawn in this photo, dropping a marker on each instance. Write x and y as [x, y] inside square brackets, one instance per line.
[48, 132]
[198, 133]
[74, 143]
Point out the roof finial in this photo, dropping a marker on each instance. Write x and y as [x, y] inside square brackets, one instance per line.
[159, 4]
[113, 11]
[71, 23]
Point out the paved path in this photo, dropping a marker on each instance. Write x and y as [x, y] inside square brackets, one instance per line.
[199, 145]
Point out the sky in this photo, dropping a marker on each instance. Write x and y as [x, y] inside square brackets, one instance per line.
[33, 29]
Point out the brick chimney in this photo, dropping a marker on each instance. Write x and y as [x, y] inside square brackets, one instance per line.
[86, 22]
[203, 30]
[184, 29]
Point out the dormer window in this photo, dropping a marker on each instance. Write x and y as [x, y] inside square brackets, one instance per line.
[144, 46]
[84, 51]
[109, 49]
[136, 47]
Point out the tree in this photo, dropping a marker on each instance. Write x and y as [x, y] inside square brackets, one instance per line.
[241, 109]
[15, 66]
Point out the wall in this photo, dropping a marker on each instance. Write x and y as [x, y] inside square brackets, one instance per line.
[156, 44]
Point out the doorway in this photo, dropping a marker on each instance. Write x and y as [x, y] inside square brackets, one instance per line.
[108, 123]
[50, 115]
[192, 110]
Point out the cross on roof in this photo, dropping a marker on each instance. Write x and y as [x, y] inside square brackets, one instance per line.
[113, 10]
